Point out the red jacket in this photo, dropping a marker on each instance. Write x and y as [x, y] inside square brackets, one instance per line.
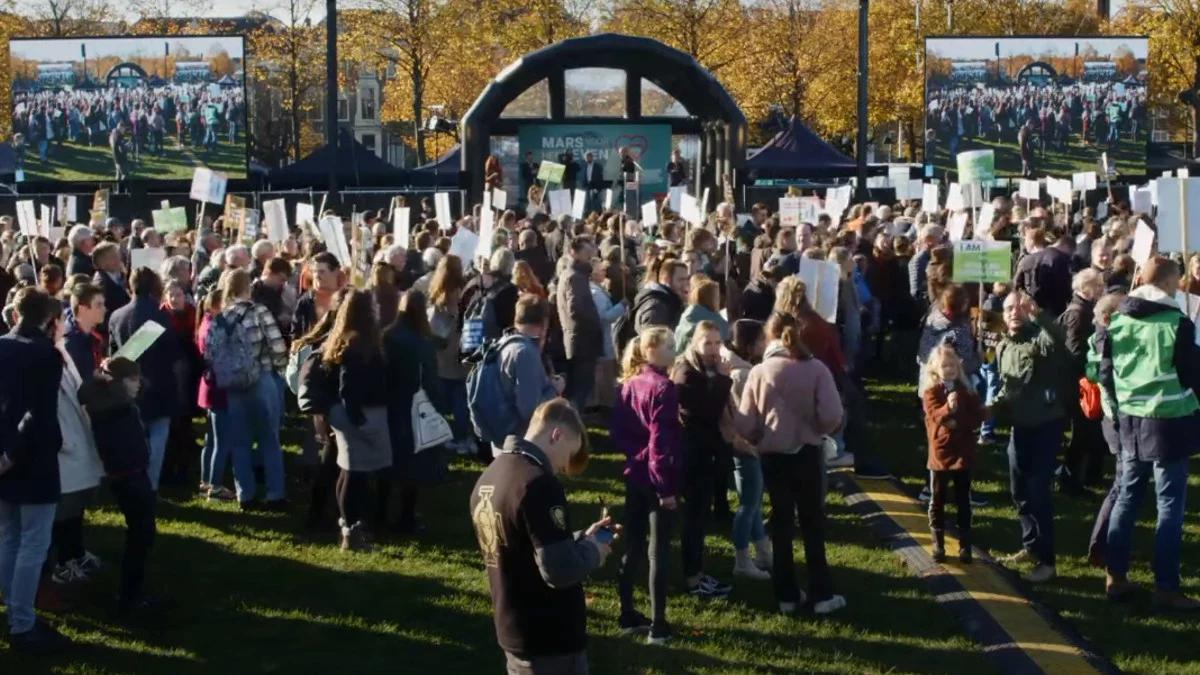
[952, 435]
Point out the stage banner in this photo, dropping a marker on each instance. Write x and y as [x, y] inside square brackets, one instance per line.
[648, 144]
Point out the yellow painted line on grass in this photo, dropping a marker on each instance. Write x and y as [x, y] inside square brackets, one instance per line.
[1029, 632]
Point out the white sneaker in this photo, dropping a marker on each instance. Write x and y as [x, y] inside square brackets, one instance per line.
[743, 566]
[89, 562]
[829, 606]
[764, 558]
[1040, 574]
[842, 461]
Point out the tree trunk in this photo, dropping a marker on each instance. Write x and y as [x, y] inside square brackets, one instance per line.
[1196, 110]
[418, 102]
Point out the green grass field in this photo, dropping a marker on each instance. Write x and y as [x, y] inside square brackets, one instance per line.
[72, 162]
[256, 596]
[1129, 157]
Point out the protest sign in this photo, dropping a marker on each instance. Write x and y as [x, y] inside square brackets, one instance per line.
[100, 203]
[334, 237]
[208, 185]
[67, 206]
[675, 197]
[1030, 189]
[551, 172]
[45, 220]
[978, 261]
[608, 198]
[251, 219]
[463, 244]
[689, 210]
[441, 205]
[954, 198]
[141, 340]
[1143, 243]
[650, 214]
[789, 211]
[929, 198]
[1083, 181]
[704, 205]
[810, 210]
[275, 219]
[487, 229]
[976, 167]
[27, 218]
[578, 204]
[1101, 210]
[913, 191]
[957, 226]
[560, 203]
[898, 177]
[1178, 214]
[149, 258]
[499, 199]
[1140, 199]
[170, 219]
[400, 225]
[304, 214]
[821, 279]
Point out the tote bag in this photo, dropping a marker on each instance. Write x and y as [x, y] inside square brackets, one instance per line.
[429, 427]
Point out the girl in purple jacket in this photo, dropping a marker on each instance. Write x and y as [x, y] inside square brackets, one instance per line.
[646, 428]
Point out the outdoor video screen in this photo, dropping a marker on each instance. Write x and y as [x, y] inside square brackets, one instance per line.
[144, 108]
[1044, 105]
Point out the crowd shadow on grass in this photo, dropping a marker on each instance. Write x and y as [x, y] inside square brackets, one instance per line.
[269, 614]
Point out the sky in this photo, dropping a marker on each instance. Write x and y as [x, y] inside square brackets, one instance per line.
[68, 49]
[983, 48]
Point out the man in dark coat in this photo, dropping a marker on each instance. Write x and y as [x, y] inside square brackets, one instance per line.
[1045, 273]
[110, 277]
[661, 303]
[159, 400]
[30, 440]
[582, 333]
[83, 242]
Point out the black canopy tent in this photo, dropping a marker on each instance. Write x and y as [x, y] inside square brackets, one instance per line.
[712, 113]
[440, 173]
[355, 165]
[796, 152]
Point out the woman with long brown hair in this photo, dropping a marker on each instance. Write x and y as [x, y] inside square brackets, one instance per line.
[354, 359]
[526, 281]
[445, 322]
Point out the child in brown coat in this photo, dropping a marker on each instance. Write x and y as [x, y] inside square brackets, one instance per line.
[953, 413]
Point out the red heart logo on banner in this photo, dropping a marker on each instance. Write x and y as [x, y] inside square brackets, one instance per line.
[635, 144]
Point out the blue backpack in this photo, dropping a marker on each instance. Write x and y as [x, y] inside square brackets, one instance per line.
[229, 355]
[492, 413]
[480, 323]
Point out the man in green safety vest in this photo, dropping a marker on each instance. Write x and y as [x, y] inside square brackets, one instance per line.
[1150, 365]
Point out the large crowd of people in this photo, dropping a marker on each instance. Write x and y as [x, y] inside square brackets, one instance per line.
[698, 347]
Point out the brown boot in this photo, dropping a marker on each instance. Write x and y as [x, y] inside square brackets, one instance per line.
[1174, 601]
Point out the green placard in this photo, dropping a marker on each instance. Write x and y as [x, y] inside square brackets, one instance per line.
[551, 172]
[976, 166]
[170, 220]
[982, 261]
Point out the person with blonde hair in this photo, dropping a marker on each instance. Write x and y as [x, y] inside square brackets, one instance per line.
[953, 412]
[646, 428]
[704, 302]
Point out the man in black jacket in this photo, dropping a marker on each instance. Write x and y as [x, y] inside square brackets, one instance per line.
[1045, 273]
[159, 400]
[83, 242]
[110, 277]
[535, 564]
[30, 440]
[582, 333]
[661, 303]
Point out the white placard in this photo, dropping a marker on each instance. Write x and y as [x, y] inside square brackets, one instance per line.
[1030, 189]
[608, 199]
[987, 215]
[441, 206]
[929, 198]
[1082, 181]
[704, 205]
[464, 244]
[1143, 243]
[1101, 210]
[1140, 199]
[499, 199]
[304, 215]
[1060, 189]
[912, 191]
[1175, 195]
[689, 210]
[821, 279]
[898, 177]
[649, 214]
[954, 198]
[810, 210]
[149, 258]
[27, 217]
[275, 219]
[67, 205]
[789, 211]
[400, 216]
[957, 226]
[578, 204]
[334, 236]
[972, 194]
[1183, 173]
[674, 197]
[487, 229]
[560, 202]
[208, 185]
[47, 217]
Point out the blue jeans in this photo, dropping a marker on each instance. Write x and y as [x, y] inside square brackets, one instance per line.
[250, 417]
[214, 456]
[157, 431]
[1032, 455]
[454, 393]
[1170, 483]
[991, 389]
[24, 540]
[747, 521]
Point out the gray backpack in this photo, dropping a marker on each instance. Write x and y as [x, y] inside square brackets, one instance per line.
[230, 357]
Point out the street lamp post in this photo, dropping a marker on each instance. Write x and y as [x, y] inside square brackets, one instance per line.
[864, 7]
[331, 93]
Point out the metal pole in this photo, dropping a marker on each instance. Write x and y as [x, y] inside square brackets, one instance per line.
[864, 7]
[331, 91]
